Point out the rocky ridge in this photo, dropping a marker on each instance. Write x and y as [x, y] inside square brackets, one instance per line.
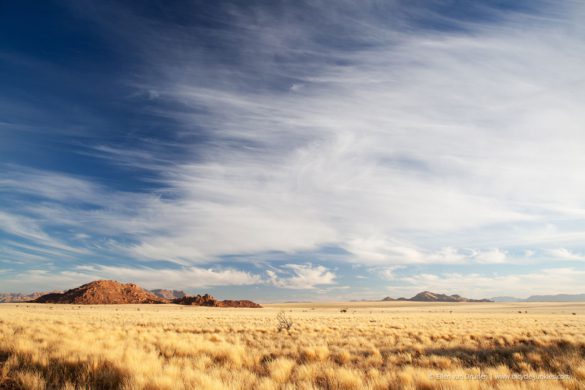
[427, 296]
[109, 292]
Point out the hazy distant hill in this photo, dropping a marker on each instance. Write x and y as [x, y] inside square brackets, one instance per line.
[544, 298]
[427, 296]
[18, 297]
[506, 299]
[169, 294]
[556, 298]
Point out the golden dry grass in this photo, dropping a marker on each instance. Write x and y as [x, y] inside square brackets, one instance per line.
[395, 345]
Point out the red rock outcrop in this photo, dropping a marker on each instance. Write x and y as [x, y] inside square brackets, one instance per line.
[110, 292]
[209, 300]
[103, 292]
[237, 303]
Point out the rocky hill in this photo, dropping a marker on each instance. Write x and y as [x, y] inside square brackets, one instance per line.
[168, 294]
[108, 292]
[102, 292]
[237, 303]
[427, 296]
[209, 300]
[196, 300]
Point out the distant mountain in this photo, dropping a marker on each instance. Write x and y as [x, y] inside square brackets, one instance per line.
[544, 298]
[556, 298]
[18, 297]
[506, 299]
[427, 296]
[102, 292]
[168, 294]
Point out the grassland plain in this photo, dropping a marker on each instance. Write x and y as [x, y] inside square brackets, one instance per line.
[390, 345]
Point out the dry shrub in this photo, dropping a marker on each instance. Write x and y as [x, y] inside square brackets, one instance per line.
[283, 322]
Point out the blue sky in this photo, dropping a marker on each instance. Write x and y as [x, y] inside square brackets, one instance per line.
[294, 150]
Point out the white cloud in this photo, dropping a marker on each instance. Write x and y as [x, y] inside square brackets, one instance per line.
[43, 280]
[185, 278]
[382, 252]
[415, 140]
[388, 273]
[304, 276]
[565, 254]
[289, 276]
[492, 256]
[47, 184]
[379, 251]
[29, 228]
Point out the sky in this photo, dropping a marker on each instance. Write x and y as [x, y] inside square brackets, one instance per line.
[294, 150]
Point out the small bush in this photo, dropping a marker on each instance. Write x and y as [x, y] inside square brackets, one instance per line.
[284, 322]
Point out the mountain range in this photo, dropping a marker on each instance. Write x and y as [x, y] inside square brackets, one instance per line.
[18, 297]
[427, 296]
[112, 292]
[543, 298]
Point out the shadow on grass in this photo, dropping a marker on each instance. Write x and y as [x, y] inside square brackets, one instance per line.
[556, 357]
[82, 374]
[5, 383]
